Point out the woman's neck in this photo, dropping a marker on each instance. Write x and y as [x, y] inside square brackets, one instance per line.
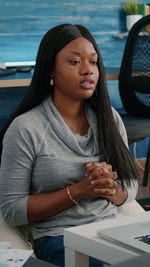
[69, 108]
[73, 113]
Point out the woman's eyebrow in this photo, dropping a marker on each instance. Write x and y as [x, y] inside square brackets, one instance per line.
[78, 53]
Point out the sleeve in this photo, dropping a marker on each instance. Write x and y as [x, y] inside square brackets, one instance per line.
[120, 126]
[132, 190]
[15, 173]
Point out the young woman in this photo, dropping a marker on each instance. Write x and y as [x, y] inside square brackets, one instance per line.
[64, 153]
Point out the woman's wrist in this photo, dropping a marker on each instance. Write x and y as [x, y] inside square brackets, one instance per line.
[70, 196]
[120, 195]
[74, 192]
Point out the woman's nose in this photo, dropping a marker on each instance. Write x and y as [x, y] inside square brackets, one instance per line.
[86, 68]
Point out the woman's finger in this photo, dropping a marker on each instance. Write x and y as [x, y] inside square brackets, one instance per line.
[101, 172]
[104, 192]
[92, 165]
[104, 183]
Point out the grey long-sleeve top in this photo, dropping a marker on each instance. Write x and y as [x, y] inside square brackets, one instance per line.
[41, 154]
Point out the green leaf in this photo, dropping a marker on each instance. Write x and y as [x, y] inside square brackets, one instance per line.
[131, 8]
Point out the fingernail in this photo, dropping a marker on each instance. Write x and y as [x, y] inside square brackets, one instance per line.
[88, 164]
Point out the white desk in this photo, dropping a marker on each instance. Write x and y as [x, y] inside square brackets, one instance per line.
[81, 242]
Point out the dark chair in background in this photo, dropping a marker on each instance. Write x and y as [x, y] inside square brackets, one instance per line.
[134, 88]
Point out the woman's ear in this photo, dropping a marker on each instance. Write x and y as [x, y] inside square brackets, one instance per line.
[52, 73]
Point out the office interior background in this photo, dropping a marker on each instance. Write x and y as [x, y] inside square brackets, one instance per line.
[23, 24]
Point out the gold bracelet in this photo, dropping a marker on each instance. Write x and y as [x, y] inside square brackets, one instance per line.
[73, 200]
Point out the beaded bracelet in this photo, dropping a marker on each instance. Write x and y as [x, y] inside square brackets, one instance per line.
[73, 200]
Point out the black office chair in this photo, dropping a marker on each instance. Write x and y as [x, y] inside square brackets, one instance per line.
[134, 88]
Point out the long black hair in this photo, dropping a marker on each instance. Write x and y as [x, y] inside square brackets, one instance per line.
[111, 144]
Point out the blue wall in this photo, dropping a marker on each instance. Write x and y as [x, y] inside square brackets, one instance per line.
[23, 23]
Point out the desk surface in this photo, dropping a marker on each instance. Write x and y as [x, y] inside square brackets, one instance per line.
[33, 262]
[82, 241]
[20, 79]
[112, 73]
[143, 260]
[17, 79]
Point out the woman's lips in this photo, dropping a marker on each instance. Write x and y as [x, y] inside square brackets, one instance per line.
[87, 84]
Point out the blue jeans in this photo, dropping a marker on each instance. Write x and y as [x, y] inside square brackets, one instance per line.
[51, 249]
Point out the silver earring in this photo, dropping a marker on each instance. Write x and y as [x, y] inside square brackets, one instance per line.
[51, 82]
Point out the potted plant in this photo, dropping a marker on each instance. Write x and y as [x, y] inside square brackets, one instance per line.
[132, 10]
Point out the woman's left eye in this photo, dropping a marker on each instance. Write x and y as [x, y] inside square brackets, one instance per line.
[74, 62]
[94, 62]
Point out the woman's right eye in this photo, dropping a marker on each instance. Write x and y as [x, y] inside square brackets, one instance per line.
[74, 62]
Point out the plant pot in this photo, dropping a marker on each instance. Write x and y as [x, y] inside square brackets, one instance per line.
[131, 20]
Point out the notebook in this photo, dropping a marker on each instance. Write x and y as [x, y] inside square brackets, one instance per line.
[135, 236]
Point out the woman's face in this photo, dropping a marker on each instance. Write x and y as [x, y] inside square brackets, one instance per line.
[75, 72]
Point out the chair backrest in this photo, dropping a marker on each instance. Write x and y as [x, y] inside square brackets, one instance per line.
[134, 78]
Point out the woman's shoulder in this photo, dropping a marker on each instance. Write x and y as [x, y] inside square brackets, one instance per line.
[28, 122]
[117, 116]
[120, 125]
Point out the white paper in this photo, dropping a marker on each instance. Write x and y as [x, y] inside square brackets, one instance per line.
[5, 245]
[2, 65]
[14, 257]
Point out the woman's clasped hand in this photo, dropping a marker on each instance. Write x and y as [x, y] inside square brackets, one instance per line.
[102, 179]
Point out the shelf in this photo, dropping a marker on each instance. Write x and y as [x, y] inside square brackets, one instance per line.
[120, 35]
